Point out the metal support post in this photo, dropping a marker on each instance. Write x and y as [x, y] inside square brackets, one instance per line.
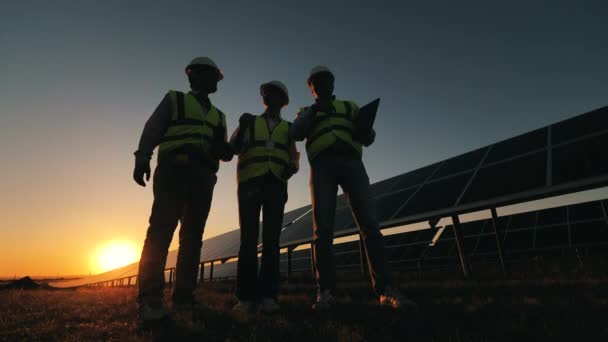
[498, 243]
[362, 255]
[289, 250]
[460, 244]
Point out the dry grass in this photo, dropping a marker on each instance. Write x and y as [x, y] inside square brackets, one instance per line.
[469, 312]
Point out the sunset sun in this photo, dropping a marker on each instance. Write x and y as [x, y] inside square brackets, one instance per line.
[115, 254]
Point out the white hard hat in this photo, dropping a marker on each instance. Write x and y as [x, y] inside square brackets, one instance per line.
[319, 69]
[277, 84]
[205, 61]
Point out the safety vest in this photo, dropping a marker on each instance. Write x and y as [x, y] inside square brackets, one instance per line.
[329, 127]
[190, 125]
[267, 151]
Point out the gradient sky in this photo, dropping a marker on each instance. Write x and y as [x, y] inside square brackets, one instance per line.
[78, 80]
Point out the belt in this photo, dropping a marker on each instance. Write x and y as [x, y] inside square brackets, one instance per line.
[186, 158]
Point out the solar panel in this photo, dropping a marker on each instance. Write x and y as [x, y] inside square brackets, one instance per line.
[518, 145]
[221, 246]
[524, 173]
[519, 240]
[523, 220]
[552, 216]
[415, 177]
[589, 233]
[586, 124]
[435, 195]
[383, 186]
[460, 163]
[552, 237]
[486, 244]
[581, 159]
[582, 211]
[475, 228]
[343, 219]
[299, 230]
[290, 216]
[386, 206]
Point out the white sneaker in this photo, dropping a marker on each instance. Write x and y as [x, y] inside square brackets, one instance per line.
[244, 307]
[393, 298]
[325, 301]
[270, 306]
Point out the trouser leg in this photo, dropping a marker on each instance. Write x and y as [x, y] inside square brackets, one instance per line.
[193, 219]
[324, 188]
[166, 210]
[250, 202]
[275, 196]
[355, 182]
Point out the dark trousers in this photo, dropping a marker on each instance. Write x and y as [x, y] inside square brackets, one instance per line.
[327, 172]
[181, 193]
[269, 194]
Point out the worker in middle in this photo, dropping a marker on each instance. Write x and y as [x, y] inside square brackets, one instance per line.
[267, 158]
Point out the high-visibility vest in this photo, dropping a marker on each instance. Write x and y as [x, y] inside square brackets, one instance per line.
[267, 151]
[191, 125]
[329, 127]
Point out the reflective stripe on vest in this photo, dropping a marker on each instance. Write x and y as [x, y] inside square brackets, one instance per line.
[190, 124]
[267, 152]
[328, 127]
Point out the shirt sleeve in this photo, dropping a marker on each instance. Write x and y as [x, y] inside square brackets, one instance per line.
[302, 124]
[224, 140]
[236, 141]
[294, 158]
[354, 109]
[155, 128]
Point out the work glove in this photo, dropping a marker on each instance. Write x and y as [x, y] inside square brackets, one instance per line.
[142, 167]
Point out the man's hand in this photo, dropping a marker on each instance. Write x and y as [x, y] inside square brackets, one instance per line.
[142, 167]
[366, 138]
[222, 150]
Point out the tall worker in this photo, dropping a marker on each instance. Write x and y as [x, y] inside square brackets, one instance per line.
[190, 133]
[334, 149]
[267, 159]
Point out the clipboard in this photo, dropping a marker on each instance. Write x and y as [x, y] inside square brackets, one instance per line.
[367, 116]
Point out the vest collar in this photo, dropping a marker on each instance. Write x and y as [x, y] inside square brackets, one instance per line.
[333, 98]
[202, 99]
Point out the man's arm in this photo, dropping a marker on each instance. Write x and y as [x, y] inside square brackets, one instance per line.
[302, 124]
[294, 159]
[155, 129]
[223, 151]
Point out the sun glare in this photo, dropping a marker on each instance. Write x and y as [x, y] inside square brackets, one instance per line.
[115, 254]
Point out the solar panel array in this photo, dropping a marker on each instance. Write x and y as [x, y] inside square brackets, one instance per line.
[557, 159]
[561, 158]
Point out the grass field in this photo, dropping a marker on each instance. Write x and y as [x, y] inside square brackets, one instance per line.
[454, 311]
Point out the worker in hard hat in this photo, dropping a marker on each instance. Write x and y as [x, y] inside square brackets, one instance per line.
[190, 133]
[334, 150]
[267, 159]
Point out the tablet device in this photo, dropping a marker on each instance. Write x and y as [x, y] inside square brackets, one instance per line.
[367, 115]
